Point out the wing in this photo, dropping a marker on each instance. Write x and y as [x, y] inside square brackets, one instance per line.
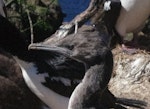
[64, 73]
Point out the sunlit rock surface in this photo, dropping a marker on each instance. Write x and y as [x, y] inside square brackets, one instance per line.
[131, 76]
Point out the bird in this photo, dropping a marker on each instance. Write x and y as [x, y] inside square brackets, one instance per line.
[88, 47]
[127, 17]
[51, 76]
[132, 16]
[35, 73]
[96, 57]
[46, 74]
[2, 8]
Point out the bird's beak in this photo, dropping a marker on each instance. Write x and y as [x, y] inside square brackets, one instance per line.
[53, 49]
[50, 48]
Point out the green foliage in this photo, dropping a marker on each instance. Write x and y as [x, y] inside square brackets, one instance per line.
[45, 17]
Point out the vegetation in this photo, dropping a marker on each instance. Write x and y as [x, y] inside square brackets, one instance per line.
[39, 18]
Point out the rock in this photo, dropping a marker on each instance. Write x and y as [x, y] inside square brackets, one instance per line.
[131, 76]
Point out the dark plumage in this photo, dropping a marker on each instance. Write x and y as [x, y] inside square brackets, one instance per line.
[54, 66]
[13, 90]
[97, 59]
[32, 71]
[88, 48]
[45, 73]
[110, 18]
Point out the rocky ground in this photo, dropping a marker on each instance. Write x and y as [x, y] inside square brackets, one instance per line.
[131, 76]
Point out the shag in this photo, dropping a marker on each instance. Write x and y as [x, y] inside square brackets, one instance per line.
[52, 70]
